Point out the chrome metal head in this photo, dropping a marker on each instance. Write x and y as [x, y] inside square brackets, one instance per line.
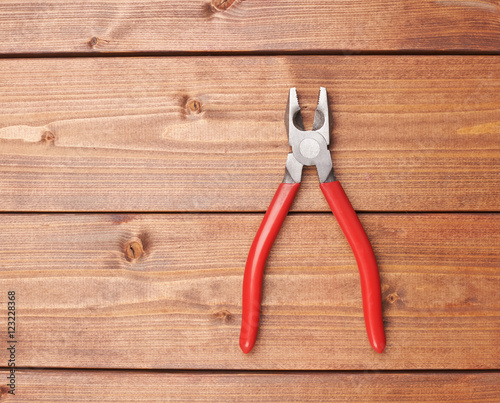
[293, 117]
[309, 147]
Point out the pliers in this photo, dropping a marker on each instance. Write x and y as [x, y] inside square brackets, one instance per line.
[310, 148]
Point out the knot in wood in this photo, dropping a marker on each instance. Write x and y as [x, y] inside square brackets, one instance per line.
[4, 389]
[392, 298]
[48, 137]
[134, 250]
[224, 315]
[193, 107]
[93, 41]
[221, 5]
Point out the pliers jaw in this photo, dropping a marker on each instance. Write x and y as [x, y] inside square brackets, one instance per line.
[309, 147]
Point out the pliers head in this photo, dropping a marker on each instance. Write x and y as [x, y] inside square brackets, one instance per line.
[309, 147]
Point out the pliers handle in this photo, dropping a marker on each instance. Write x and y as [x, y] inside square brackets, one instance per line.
[351, 227]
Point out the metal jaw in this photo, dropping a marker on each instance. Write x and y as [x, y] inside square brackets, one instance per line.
[308, 147]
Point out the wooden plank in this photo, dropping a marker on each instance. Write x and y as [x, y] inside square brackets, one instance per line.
[206, 133]
[82, 302]
[228, 25]
[131, 386]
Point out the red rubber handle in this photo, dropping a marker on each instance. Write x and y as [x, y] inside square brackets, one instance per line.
[367, 264]
[254, 269]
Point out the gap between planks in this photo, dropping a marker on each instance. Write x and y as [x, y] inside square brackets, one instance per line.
[140, 54]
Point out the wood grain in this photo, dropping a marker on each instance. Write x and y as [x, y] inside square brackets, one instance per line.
[84, 301]
[258, 25]
[131, 386]
[206, 133]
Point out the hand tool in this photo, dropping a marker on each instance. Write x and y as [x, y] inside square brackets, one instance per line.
[310, 148]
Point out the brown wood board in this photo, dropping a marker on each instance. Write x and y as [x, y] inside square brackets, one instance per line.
[59, 26]
[410, 133]
[176, 108]
[72, 386]
[85, 300]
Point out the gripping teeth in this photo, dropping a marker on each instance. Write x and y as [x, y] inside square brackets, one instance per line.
[322, 98]
[321, 121]
[292, 115]
[294, 99]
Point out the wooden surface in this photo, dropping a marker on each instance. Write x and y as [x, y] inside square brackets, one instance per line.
[346, 26]
[86, 302]
[411, 133]
[219, 387]
[140, 144]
